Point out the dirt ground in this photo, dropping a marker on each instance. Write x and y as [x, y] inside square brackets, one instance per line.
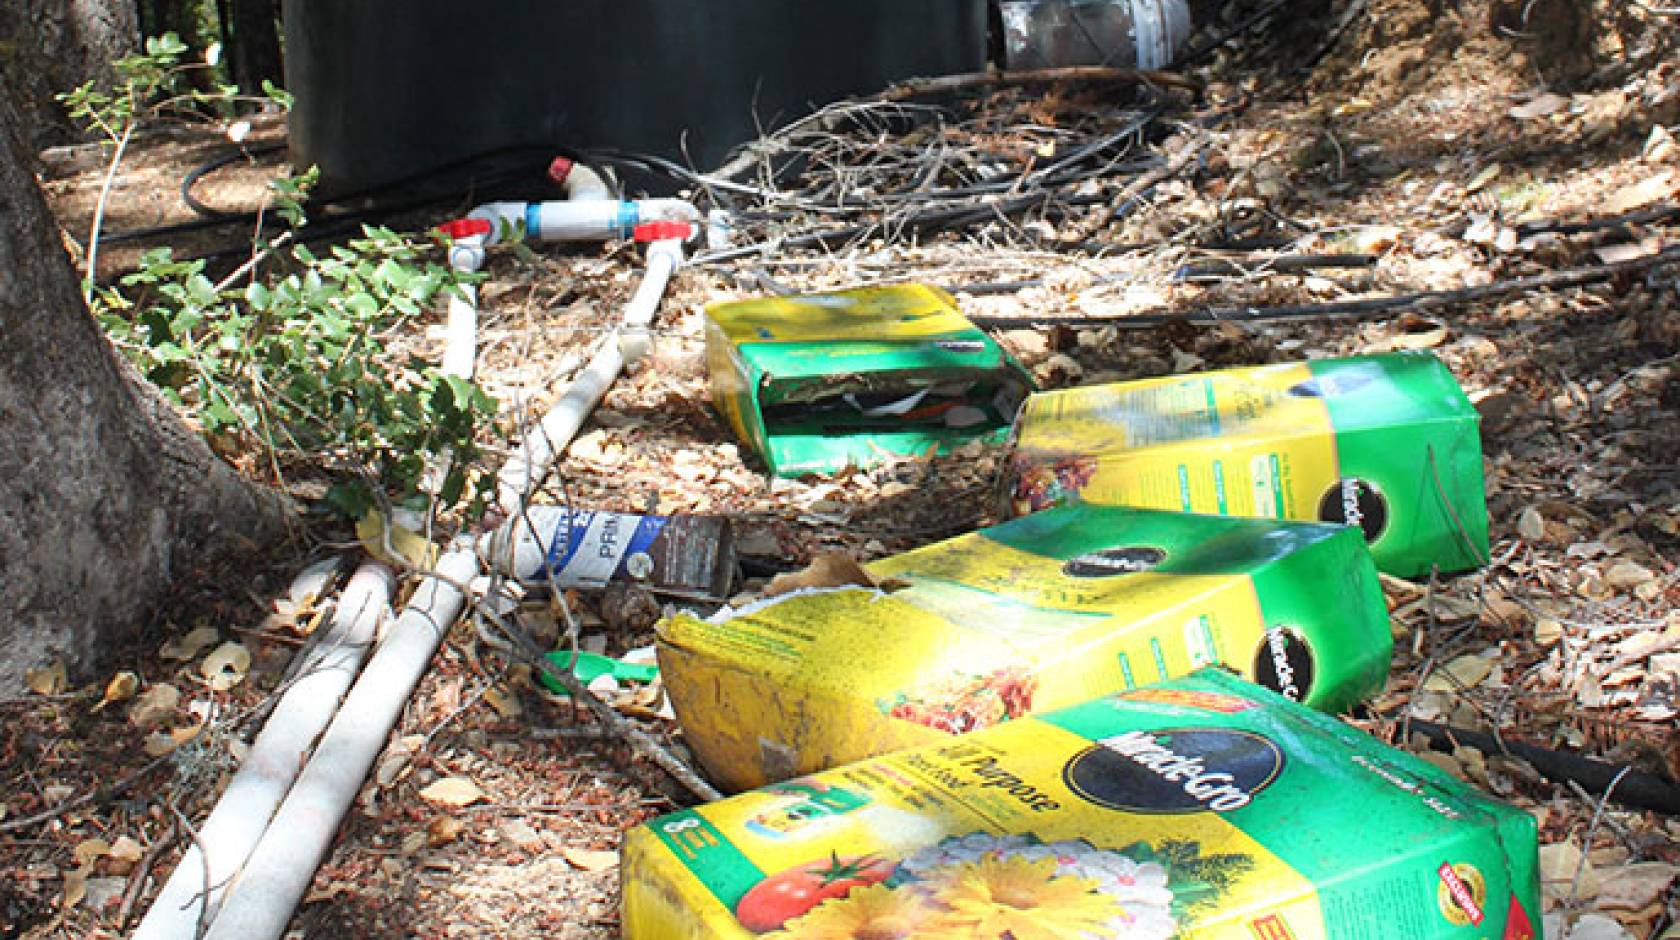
[1459, 146]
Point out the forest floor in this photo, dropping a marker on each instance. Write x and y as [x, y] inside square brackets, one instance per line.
[1459, 146]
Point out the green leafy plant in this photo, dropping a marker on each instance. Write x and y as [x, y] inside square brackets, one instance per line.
[298, 368]
[295, 368]
[148, 85]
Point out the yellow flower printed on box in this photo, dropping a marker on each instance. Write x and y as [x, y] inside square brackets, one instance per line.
[873, 912]
[1021, 899]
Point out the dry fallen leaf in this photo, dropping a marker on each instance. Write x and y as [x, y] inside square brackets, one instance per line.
[394, 762]
[443, 830]
[189, 646]
[1531, 525]
[51, 679]
[1633, 887]
[1465, 672]
[121, 688]
[454, 792]
[1559, 863]
[124, 855]
[504, 702]
[226, 665]
[828, 570]
[155, 705]
[1627, 574]
[159, 743]
[1486, 176]
[590, 859]
[75, 887]
[1654, 189]
[89, 851]
[395, 544]
[1539, 106]
[1597, 927]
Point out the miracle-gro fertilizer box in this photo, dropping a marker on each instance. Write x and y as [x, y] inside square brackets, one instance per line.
[1041, 612]
[1388, 443]
[1202, 807]
[818, 382]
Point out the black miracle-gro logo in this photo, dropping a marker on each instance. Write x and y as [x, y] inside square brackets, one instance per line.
[1284, 663]
[1180, 770]
[1352, 501]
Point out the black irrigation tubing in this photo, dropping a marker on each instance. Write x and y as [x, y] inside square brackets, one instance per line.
[1369, 307]
[1639, 217]
[212, 165]
[1221, 268]
[1635, 788]
[1212, 269]
[408, 181]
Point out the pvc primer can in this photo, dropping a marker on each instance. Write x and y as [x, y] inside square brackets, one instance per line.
[682, 556]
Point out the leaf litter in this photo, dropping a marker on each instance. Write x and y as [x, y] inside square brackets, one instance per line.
[1452, 155]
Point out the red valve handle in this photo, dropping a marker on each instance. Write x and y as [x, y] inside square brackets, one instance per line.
[663, 231]
[458, 229]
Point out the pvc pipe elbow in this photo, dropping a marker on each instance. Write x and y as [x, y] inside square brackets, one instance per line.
[505, 218]
[467, 254]
[585, 185]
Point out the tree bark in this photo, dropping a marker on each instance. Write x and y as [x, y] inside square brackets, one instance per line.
[52, 46]
[107, 495]
[255, 52]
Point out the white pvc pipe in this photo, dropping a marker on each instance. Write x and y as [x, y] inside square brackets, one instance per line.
[664, 258]
[261, 901]
[537, 453]
[226, 838]
[460, 331]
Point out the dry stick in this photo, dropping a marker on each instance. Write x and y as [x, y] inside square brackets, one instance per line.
[605, 713]
[917, 87]
[142, 872]
[99, 212]
[1353, 309]
[46, 815]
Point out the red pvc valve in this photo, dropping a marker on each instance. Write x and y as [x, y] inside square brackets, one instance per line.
[663, 231]
[458, 229]
[558, 169]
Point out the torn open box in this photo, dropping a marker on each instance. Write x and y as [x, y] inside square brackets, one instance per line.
[1041, 612]
[819, 382]
[1202, 807]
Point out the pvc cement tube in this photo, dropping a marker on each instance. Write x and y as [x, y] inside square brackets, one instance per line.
[236, 824]
[261, 901]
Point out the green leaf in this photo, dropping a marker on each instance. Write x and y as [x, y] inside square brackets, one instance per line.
[278, 95]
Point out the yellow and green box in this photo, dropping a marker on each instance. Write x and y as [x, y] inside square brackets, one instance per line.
[1200, 807]
[1041, 612]
[1387, 443]
[808, 380]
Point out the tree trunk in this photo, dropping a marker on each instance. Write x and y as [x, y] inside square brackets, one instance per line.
[52, 46]
[255, 51]
[107, 494]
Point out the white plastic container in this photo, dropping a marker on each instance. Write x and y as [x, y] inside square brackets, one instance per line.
[1145, 34]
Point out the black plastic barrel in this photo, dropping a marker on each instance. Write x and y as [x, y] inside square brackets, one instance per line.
[388, 88]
